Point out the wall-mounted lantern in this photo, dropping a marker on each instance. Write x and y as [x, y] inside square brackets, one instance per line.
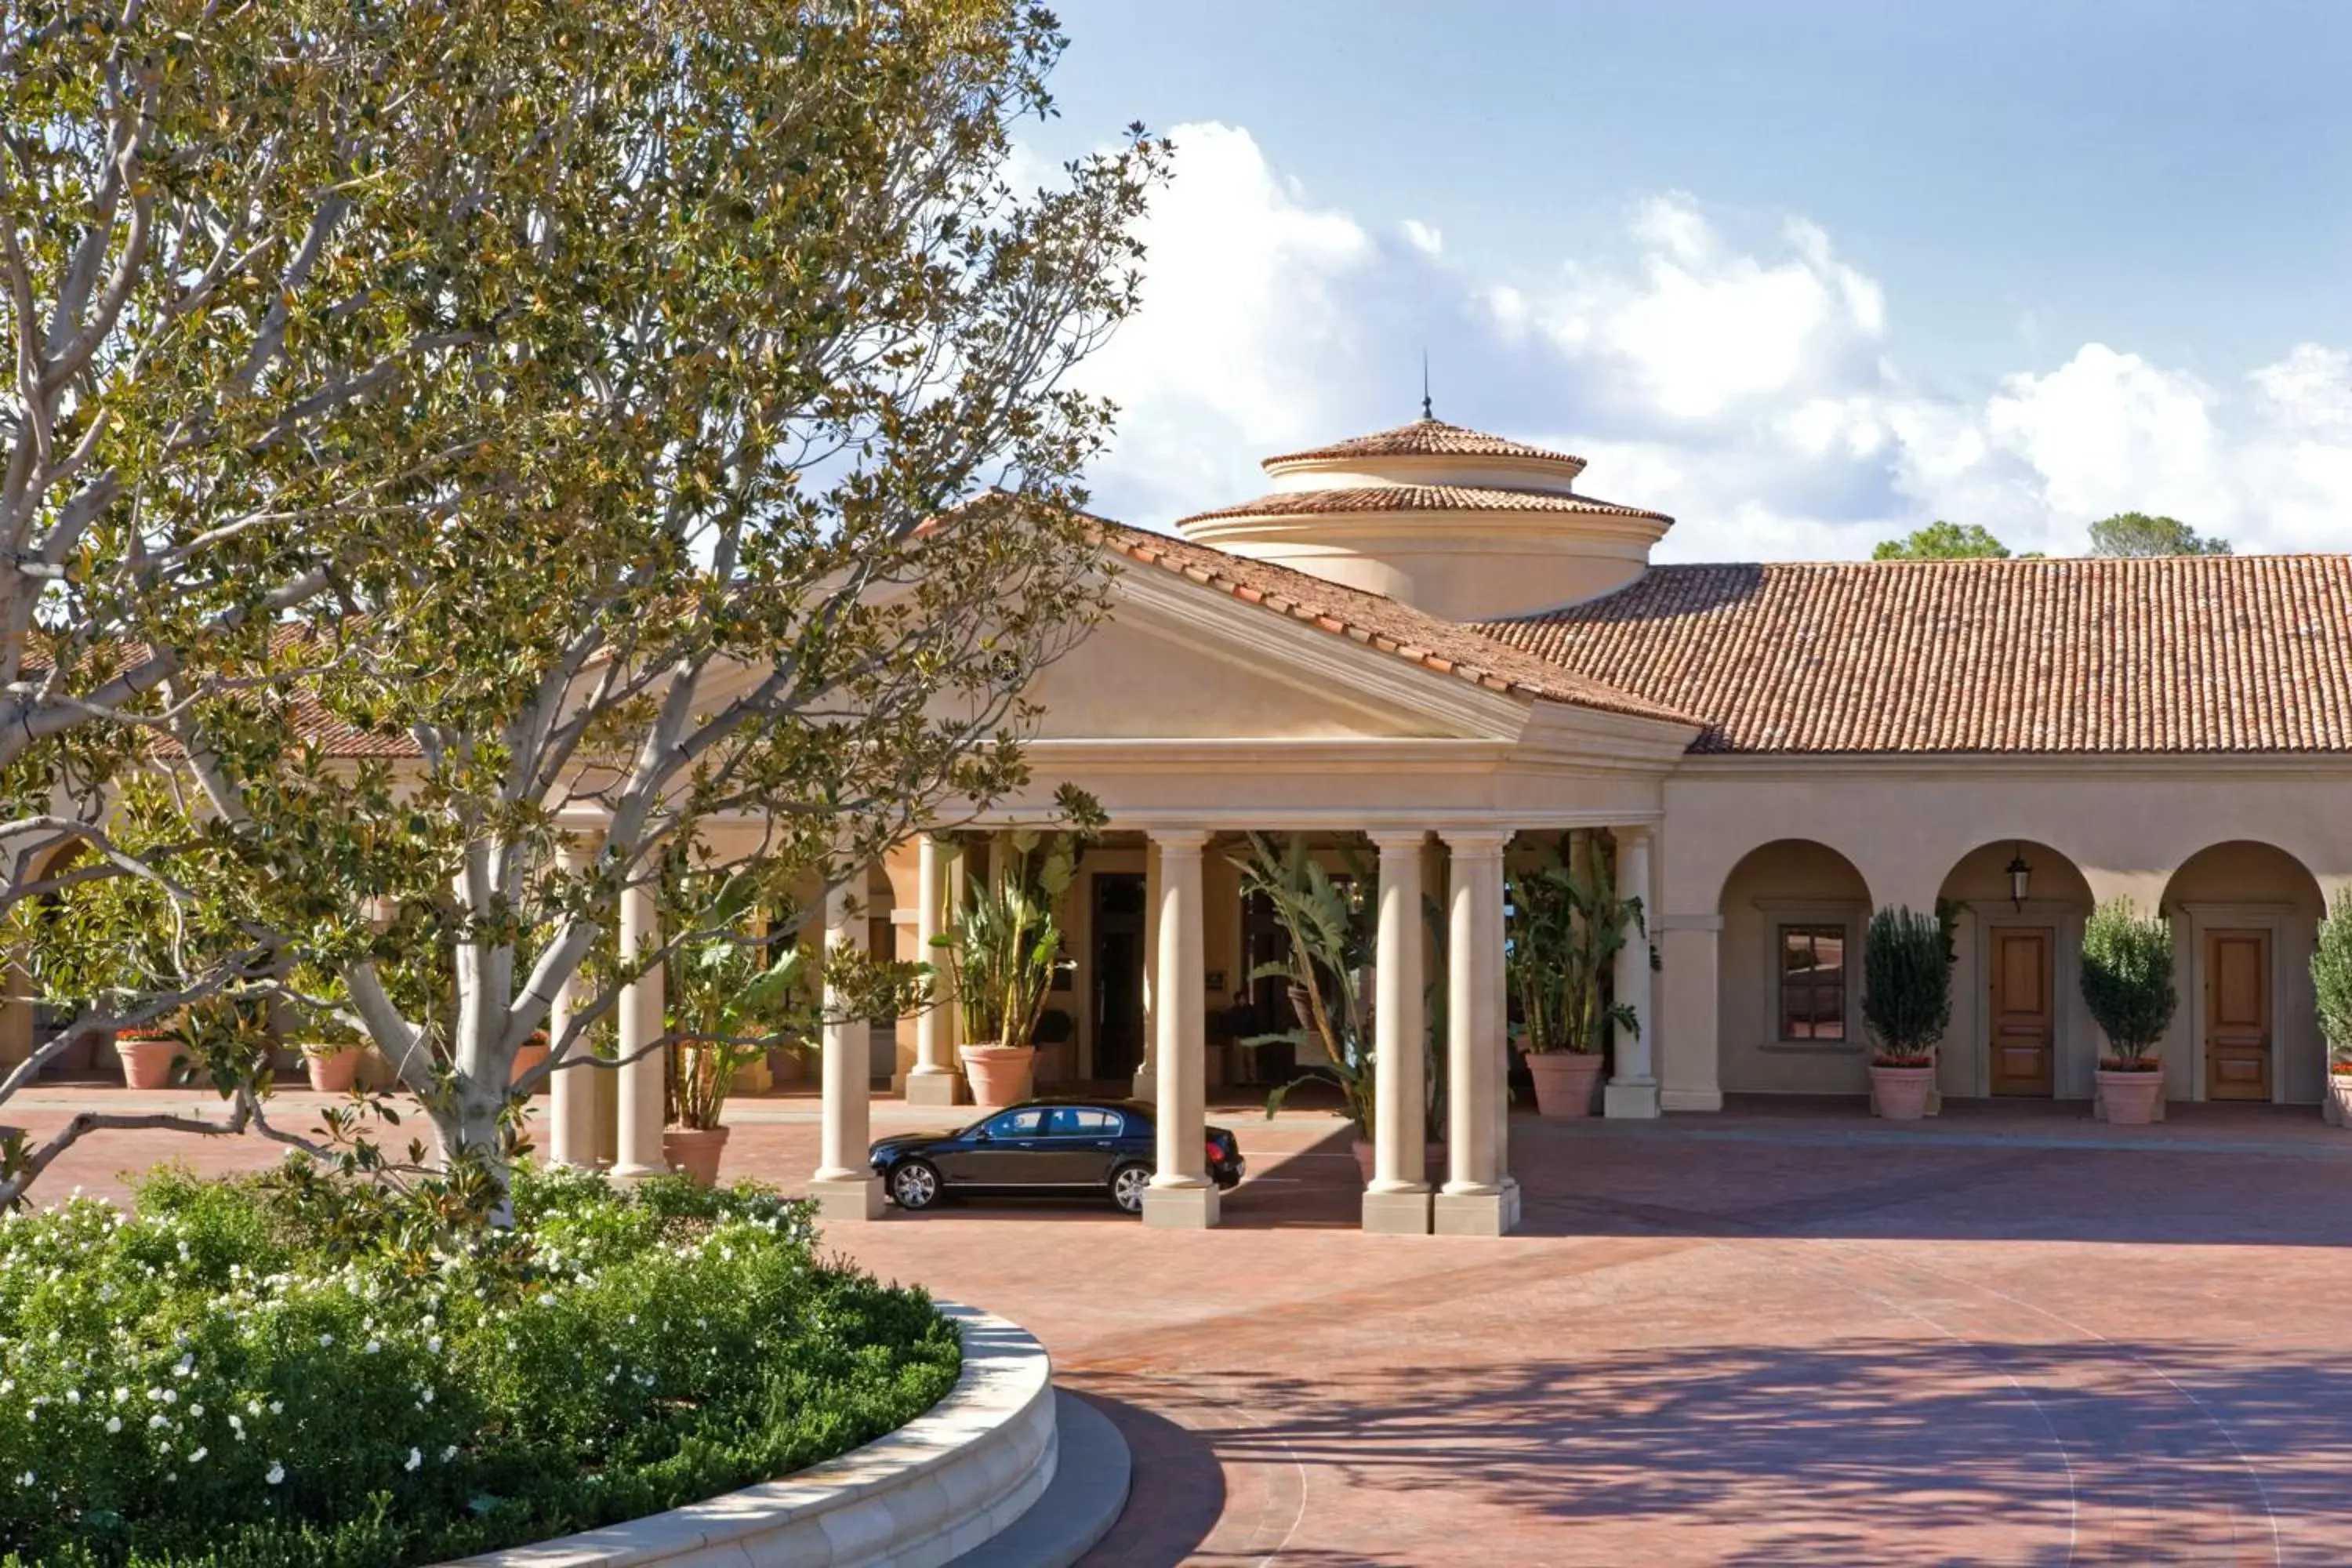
[2021, 877]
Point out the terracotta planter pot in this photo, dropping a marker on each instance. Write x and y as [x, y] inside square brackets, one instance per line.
[1564, 1081]
[147, 1064]
[527, 1055]
[1056, 1063]
[2129, 1099]
[2339, 1099]
[999, 1075]
[331, 1067]
[1901, 1093]
[694, 1150]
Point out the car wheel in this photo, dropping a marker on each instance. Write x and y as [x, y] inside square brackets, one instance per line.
[915, 1184]
[1127, 1186]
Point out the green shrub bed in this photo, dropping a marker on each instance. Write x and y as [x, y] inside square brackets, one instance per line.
[292, 1369]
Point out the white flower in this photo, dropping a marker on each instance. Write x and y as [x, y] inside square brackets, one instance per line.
[433, 1344]
[73, 1396]
[114, 1423]
[415, 1458]
[197, 1457]
[277, 1473]
[448, 1453]
[197, 1412]
[253, 1407]
[373, 1346]
[158, 1420]
[326, 1340]
[187, 1367]
[26, 1480]
[278, 1407]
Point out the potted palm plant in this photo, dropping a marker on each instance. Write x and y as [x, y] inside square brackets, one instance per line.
[1567, 926]
[1328, 923]
[1906, 1004]
[2331, 978]
[1001, 955]
[2127, 986]
[727, 1011]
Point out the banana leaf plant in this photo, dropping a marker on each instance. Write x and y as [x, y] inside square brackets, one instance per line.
[1004, 946]
[728, 1009]
[1329, 924]
[1567, 926]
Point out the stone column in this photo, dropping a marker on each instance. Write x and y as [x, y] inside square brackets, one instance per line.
[1180, 1196]
[1147, 1073]
[1397, 1201]
[1688, 1057]
[1633, 1090]
[933, 1080]
[643, 1074]
[844, 1185]
[1475, 1201]
[570, 1089]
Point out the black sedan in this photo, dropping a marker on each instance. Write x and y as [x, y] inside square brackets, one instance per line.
[1041, 1146]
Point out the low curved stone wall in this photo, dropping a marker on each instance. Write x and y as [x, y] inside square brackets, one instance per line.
[929, 1492]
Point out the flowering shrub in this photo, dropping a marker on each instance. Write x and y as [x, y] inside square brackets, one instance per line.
[224, 1378]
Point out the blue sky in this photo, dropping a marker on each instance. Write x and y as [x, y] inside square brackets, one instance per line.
[1802, 274]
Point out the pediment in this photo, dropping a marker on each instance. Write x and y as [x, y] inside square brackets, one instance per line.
[1176, 661]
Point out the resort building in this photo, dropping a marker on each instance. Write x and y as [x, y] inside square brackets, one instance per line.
[1427, 642]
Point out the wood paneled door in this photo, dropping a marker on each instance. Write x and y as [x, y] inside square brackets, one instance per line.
[2024, 1017]
[2237, 1014]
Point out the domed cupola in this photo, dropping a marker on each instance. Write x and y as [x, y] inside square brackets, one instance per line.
[1464, 525]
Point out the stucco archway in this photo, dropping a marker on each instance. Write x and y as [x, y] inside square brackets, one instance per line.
[2244, 916]
[2018, 1026]
[1790, 1013]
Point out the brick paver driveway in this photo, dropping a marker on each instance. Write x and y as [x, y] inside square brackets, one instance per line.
[1786, 1337]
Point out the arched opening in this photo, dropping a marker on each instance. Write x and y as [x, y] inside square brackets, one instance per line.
[2018, 1027]
[2244, 916]
[1789, 995]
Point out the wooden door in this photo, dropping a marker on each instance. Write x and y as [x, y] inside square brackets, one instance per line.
[1118, 960]
[2237, 1014]
[2023, 1030]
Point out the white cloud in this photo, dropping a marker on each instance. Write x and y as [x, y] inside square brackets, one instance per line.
[1745, 386]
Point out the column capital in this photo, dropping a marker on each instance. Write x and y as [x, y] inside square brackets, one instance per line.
[1475, 838]
[1177, 840]
[1398, 840]
[1636, 833]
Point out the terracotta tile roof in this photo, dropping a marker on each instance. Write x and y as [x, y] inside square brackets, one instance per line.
[1425, 438]
[2170, 655]
[1420, 498]
[1379, 622]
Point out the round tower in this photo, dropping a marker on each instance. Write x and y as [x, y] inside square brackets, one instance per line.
[1461, 524]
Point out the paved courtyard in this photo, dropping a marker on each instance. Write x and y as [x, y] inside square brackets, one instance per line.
[1784, 1335]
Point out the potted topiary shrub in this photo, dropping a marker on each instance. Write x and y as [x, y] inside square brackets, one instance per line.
[2331, 979]
[1567, 926]
[727, 1011]
[1906, 1004]
[1000, 956]
[2127, 985]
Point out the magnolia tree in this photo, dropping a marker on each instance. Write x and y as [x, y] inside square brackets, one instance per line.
[780, 521]
[248, 299]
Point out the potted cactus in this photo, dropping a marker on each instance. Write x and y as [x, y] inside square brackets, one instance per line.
[1001, 955]
[2127, 986]
[1567, 925]
[2331, 977]
[1906, 1004]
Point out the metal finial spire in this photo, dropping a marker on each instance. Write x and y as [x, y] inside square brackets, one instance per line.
[1425, 410]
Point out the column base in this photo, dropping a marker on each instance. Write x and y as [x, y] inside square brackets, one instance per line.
[942, 1087]
[1396, 1214]
[1181, 1208]
[1146, 1086]
[1635, 1102]
[846, 1197]
[1690, 1099]
[634, 1171]
[1492, 1213]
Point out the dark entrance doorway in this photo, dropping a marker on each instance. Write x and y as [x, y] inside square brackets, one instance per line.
[1117, 969]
